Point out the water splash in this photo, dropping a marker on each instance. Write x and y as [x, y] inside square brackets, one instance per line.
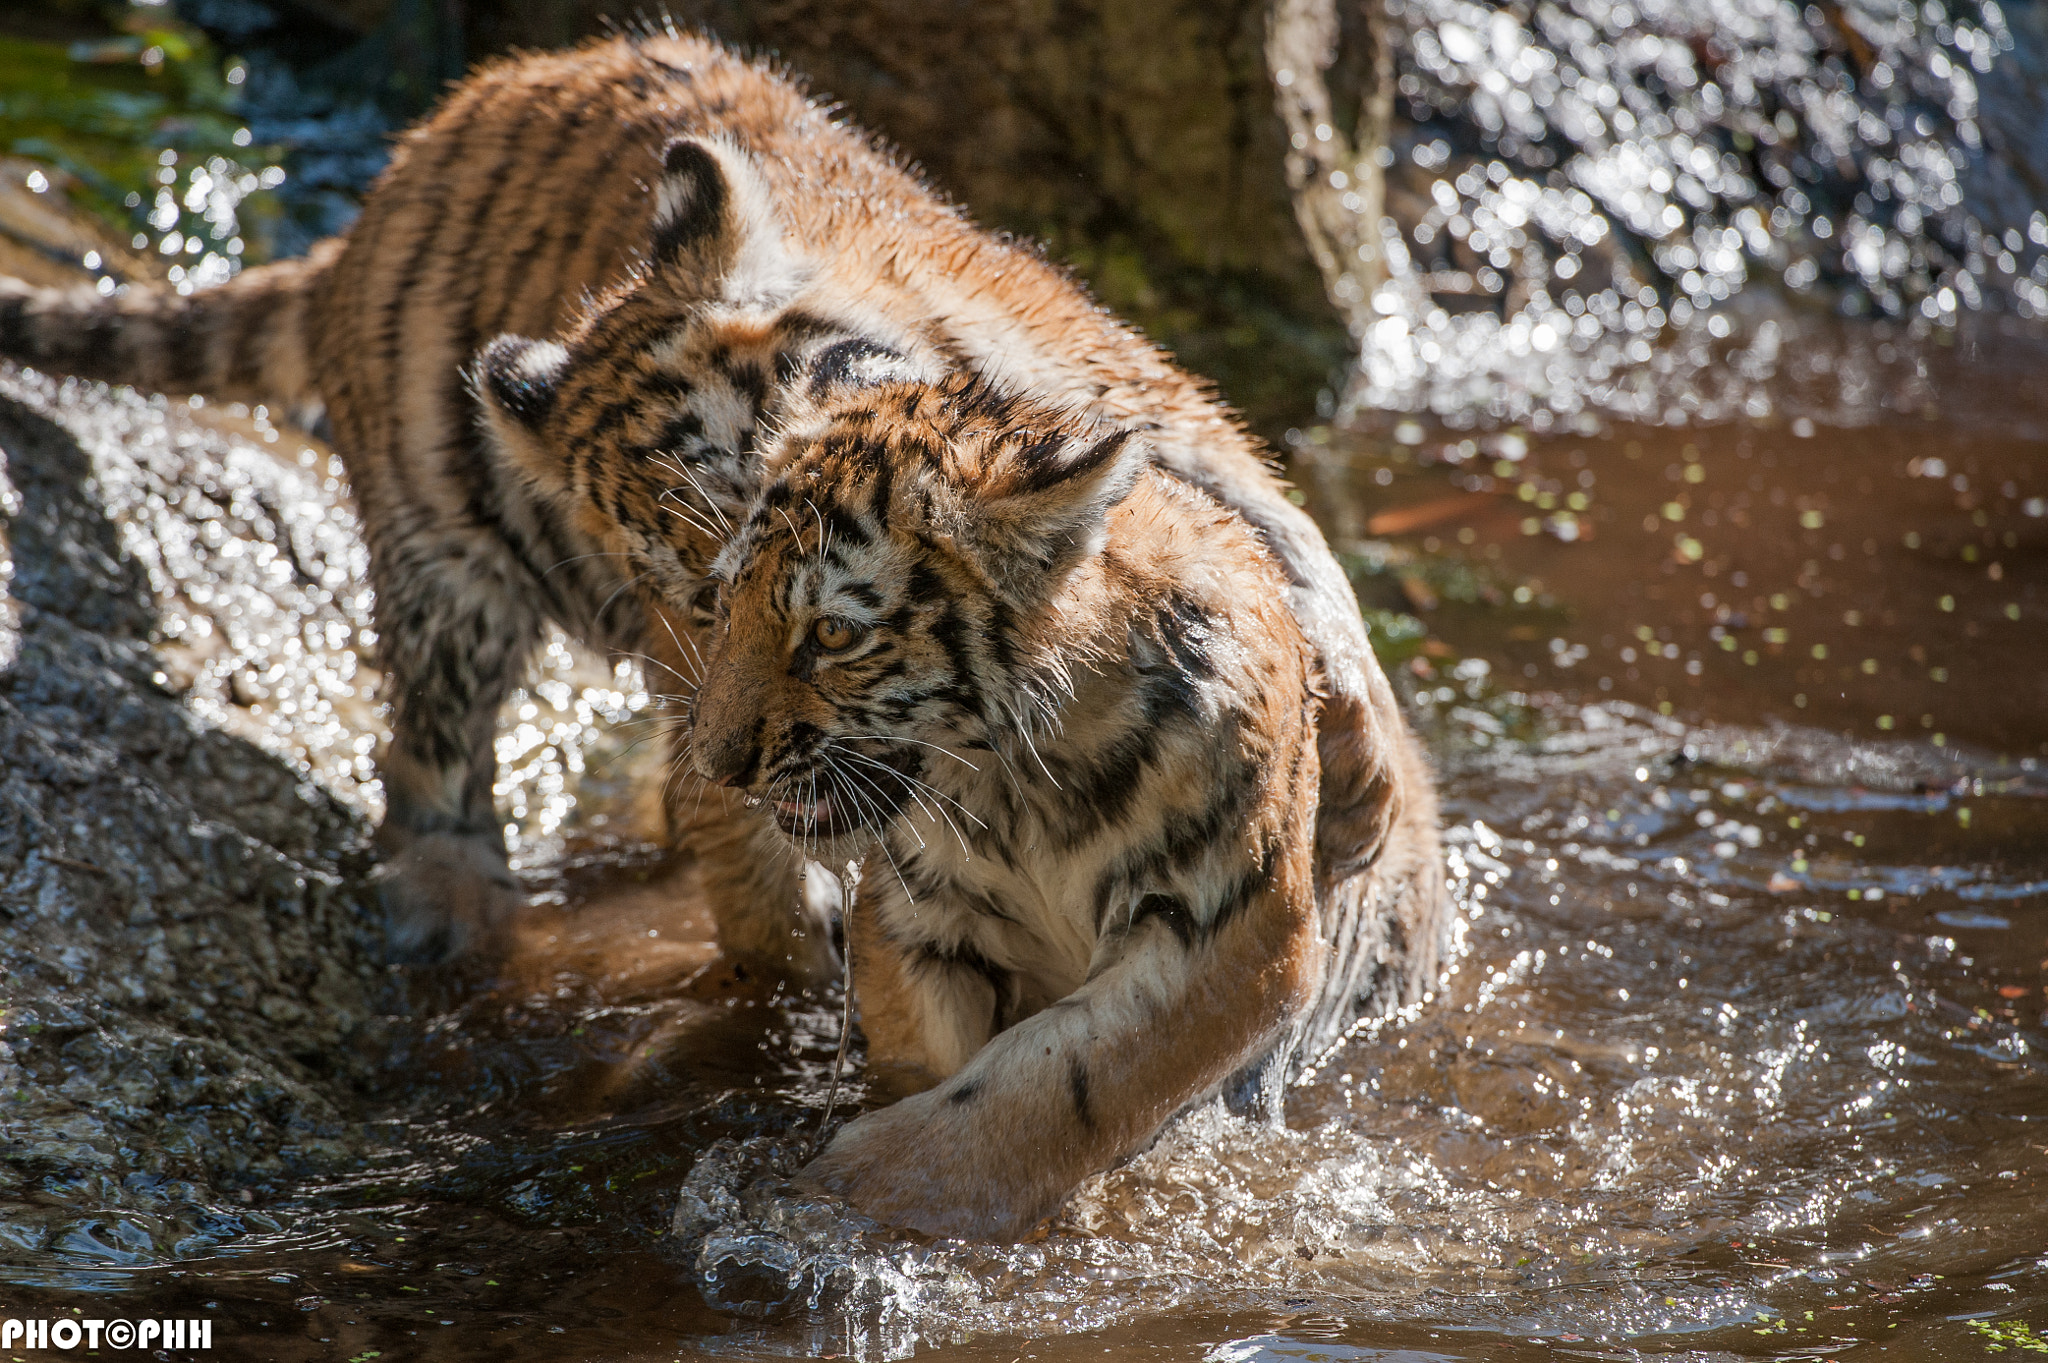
[580, 733]
[1602, 206]
[1554, 1148]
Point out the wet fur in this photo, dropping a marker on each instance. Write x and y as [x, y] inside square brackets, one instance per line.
[1075, 746]
[547, 351]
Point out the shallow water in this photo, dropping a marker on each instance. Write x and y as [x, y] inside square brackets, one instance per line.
[1739, 717]
[1741, 1056]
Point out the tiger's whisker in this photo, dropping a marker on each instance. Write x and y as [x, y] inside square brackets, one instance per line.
[892, 738]
[685, 514]
[880, 824]
[919, 785]
[692, 682]
[578, 558]
[598, 614]
[710, 502]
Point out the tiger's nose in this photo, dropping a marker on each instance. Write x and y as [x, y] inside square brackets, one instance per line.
[730, 717]
[726, 762]
[725, 740]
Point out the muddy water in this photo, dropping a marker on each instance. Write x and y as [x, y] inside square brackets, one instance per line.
[1741, 734]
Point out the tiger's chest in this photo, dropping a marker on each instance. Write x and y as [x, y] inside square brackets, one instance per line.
[1037, 861]
[1027, 915]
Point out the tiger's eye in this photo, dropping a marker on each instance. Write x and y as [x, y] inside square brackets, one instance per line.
[835, 634]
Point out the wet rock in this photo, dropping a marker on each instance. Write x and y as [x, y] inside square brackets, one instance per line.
[185, 953]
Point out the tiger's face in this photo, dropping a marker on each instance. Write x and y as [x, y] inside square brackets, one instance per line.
[882, 608]
[654, 430]
[647, 421]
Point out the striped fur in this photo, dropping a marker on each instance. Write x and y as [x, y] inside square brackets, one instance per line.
[547, 350]
[1055, 700]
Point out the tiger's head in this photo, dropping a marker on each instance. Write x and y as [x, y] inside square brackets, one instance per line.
[891, 600]
[646, 420]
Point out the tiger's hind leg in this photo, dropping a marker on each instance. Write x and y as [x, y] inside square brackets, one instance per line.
[454, 642]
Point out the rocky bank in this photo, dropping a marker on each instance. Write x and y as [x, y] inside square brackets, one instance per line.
[186, 953]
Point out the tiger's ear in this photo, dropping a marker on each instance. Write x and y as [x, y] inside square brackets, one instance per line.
[714, 229]
[1038, 505]
[516, 382]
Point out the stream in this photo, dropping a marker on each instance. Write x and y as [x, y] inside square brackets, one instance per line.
[1741, 1055]
[1695, 485]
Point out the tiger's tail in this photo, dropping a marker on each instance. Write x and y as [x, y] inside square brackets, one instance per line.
[245, 340]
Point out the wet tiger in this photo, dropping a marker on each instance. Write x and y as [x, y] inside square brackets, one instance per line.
[1054, 700]
[547, 351]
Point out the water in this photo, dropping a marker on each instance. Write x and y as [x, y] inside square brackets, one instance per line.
[1741, 1056]
[1646, 210]
[1711, 568]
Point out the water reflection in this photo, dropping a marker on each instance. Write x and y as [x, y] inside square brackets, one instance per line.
[1852, 579]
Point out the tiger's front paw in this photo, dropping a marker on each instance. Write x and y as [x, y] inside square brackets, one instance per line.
[917, 1164]
[445, 895]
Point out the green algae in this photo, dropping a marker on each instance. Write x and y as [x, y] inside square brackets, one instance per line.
[144, 125]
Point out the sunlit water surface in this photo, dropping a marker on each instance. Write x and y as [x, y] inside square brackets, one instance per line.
[1739, 715]
[1739, 733]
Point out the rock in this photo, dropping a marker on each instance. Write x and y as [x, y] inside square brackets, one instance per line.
[187, 986]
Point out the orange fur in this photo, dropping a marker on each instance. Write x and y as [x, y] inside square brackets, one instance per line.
[588, 294]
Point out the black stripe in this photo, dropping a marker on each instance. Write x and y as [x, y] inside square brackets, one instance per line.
[431, 211]
[1077, 1083]
[563, 237]
[836, 363]
[1185, 629]
[1100, 792]
[951, 632]
[469, 460]
[986, 905]
[1000, 632]
[1179, 843]
[1173, 912]
[882, 489]
[519, 266]
[750, 381]
[843, 527]
[961, 956]
[1248, 887]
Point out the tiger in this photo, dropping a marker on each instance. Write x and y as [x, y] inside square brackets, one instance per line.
[1051, 700]
[547, 352]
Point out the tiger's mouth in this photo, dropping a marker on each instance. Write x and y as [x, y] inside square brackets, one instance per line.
[845, 794]
[819, 816]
